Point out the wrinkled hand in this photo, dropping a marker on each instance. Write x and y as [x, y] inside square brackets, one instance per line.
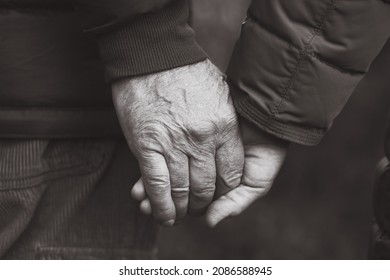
[264, 155]
[182, 127]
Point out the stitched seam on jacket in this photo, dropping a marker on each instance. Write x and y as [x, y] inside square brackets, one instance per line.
[289, 132]
[252, 109]
[297, 48]
[303, 55]
[273, 32]
[337, 68]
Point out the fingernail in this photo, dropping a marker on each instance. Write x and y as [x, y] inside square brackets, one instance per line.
[169, 223]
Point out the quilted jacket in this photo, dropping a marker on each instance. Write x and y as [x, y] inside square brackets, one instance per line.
[297, 62]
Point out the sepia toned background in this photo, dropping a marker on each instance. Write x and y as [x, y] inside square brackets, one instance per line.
[320, 205]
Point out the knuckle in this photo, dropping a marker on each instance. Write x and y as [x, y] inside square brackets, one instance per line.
[148, 142]
[203, 192]
[180, 193]
[162, 212]
[202, 167]
[229, 118]
[179, 176]
[150, 135]
[261, 188]
[229, 124]
[231, 179]
[266, 188]
[157, 185]
[202, 131]
[207, 130]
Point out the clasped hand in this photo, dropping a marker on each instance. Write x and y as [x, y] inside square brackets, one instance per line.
[182, 127]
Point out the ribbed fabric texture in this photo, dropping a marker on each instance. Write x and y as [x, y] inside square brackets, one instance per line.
[151, 43]
[70, 200]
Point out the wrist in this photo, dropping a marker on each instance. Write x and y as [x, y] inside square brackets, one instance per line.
[252, 134]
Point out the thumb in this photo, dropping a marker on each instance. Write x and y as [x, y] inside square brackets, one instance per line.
[232, 204]
[262, 164]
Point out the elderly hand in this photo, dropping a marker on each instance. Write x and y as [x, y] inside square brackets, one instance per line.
[182, 127]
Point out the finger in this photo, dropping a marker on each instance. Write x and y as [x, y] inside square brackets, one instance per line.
[145, 207]
[180, 185]
[202, 183]
[232, 204]
[262, 164]
[155, 176]
[229, 163]
[138, 191]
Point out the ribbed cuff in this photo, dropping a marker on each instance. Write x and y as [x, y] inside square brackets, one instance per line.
[286, 131]
[151, 43]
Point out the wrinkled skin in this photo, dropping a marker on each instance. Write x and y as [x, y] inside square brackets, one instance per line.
[264, 156]
[182, 127]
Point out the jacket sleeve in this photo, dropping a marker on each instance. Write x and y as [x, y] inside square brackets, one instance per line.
[297, 62]
[137, 37]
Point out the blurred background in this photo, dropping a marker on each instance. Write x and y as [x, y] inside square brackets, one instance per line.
[320, 205]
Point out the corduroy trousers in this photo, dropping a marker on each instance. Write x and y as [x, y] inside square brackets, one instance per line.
[70, 199]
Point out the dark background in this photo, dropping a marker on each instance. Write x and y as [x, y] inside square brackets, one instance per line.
[320, 205]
